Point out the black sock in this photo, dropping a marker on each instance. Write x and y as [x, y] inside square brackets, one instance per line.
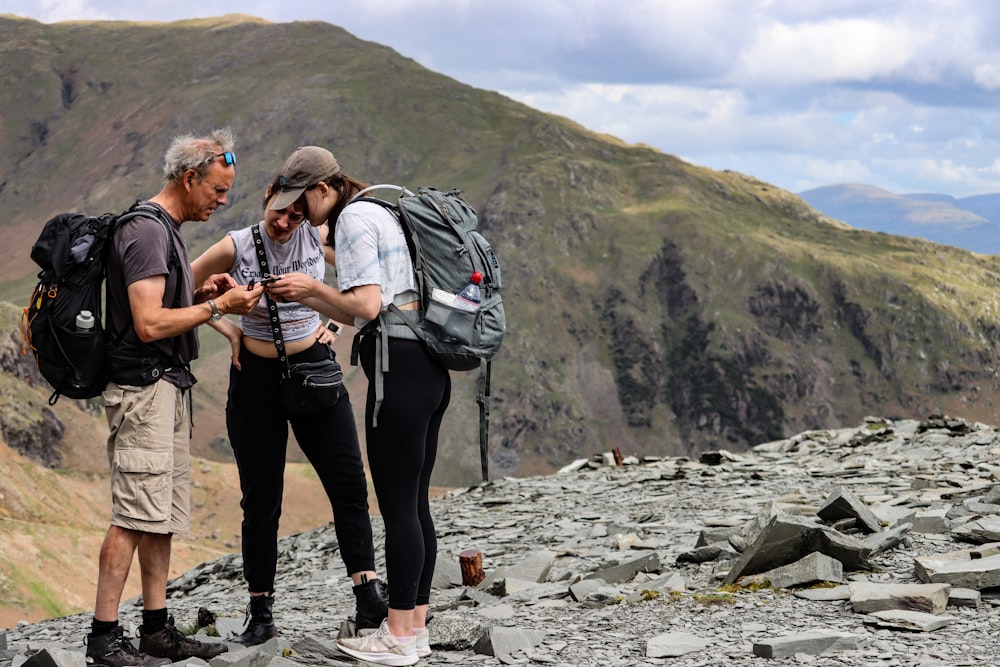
[98, 628]
[153, 620]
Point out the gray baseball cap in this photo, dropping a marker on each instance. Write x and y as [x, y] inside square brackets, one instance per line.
[304, 168]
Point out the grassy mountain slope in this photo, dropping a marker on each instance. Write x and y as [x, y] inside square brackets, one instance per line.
[653, 305]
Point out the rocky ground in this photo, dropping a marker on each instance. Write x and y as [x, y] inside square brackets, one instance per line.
[597, 565]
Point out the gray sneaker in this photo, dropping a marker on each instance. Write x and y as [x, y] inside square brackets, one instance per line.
[116, 650]
[380, 647]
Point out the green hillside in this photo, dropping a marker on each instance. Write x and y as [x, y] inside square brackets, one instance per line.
[654, 306]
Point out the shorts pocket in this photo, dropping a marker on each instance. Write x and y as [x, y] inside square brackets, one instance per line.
[112, 396]
[142, 487]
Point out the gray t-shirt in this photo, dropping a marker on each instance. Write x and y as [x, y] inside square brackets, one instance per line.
[140, 250]
[302, 253]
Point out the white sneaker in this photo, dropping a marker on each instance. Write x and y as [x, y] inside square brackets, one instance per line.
[423, 640]
[381, 647]
[423, 643]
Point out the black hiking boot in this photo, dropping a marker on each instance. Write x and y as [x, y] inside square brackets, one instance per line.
[169, 643]
[260, 621]
[116, 650]
[372, 604]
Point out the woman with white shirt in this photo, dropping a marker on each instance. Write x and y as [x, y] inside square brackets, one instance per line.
[374, 269]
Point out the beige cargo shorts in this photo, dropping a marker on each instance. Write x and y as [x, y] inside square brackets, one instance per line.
[150, 457]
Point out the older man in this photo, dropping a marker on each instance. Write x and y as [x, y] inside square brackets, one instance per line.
[153, 312]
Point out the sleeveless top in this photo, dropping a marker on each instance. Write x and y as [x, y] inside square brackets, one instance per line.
[302, 253]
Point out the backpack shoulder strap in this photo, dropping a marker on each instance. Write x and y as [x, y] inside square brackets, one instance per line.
[173, 261]
[381, 186]
[155, 212]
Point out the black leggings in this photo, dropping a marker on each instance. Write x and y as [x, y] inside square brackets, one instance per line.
[258, 431]
[401, 453]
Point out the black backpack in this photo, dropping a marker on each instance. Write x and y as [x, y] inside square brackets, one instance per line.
[442, 232]
[72, 251]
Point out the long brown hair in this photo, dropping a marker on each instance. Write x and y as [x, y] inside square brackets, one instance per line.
[270, 191]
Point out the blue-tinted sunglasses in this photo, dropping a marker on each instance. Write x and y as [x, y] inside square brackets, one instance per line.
[228, 156]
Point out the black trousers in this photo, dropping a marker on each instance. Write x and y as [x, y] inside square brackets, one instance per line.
[401, 454]
[258, 432]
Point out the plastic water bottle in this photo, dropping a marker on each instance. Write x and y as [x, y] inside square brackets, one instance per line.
[85, 322]
[470, 296]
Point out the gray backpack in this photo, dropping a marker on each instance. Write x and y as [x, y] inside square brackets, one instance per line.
[446, 247]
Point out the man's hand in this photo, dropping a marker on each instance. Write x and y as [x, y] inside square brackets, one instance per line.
[239, 301]
[214, 286]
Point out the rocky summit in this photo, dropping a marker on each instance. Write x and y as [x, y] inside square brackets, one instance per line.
[872, 545]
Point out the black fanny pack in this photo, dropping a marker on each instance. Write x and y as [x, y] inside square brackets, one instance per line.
[311, 386]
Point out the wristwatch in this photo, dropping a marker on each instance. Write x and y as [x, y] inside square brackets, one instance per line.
[216, 315]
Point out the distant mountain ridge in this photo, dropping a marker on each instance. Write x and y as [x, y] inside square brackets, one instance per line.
[972, 223]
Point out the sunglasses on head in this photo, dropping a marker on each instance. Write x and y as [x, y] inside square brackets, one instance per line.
[229, 157]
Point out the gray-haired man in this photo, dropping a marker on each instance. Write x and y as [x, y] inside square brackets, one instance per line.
[156, 308]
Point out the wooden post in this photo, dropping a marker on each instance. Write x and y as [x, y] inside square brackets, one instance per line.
[618, 456]
[471, 561]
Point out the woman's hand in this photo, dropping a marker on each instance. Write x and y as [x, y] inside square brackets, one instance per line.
[326, 335]
[235, 343]
[234, 335]
[292, 287]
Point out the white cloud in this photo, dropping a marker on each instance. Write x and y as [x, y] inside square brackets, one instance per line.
[843, 51]
[987, 75]
[900, 95]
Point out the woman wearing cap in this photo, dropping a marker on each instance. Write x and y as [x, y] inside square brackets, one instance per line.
[258, 428]
[374, 270]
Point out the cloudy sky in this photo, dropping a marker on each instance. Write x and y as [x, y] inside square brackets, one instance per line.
[901, 94]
